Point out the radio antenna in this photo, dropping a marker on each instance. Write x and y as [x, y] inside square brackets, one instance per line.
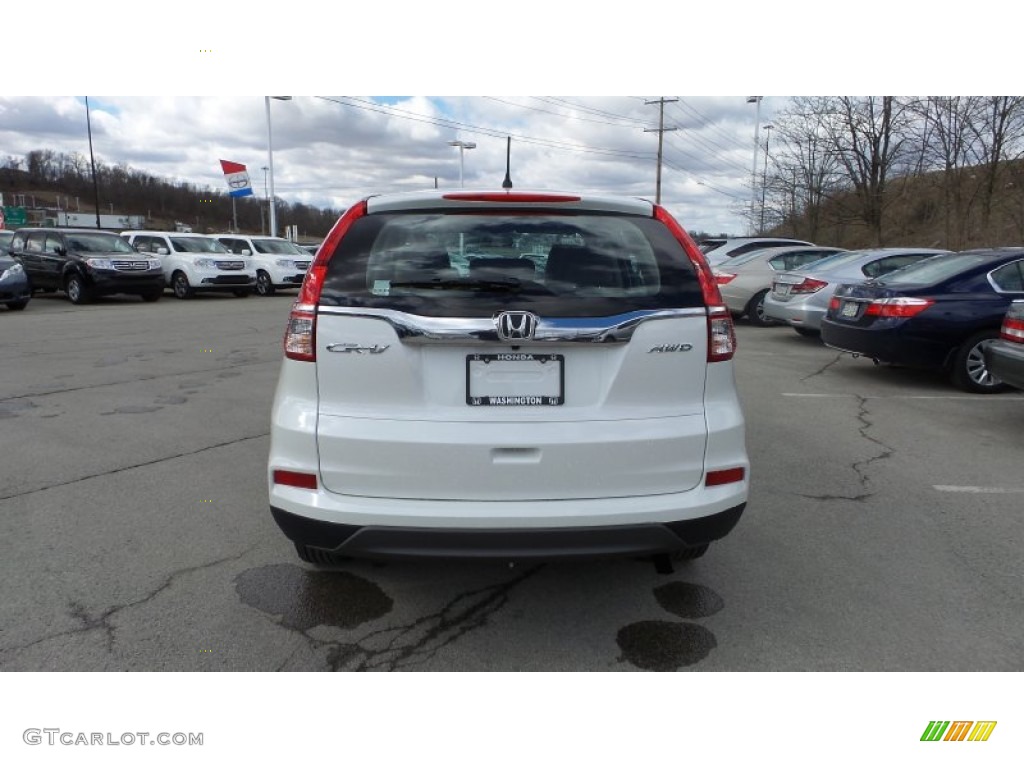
[507, 183]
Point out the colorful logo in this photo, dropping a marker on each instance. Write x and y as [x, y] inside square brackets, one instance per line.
[958, 730]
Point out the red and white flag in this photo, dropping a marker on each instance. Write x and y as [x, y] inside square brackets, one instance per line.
[237, 178]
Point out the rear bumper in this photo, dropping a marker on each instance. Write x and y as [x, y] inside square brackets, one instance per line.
[513, 544]
[898, 345]
[1005, 361]
[797, 313]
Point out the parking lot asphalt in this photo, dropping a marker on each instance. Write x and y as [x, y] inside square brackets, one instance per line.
[883, 530]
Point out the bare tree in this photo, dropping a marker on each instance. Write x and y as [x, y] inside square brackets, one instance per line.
[870, 139]
[999, 134]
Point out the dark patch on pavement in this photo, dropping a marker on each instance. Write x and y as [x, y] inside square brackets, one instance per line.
[171, 400]
[228, 374]
[664, 646]
[688, 601]
[10, 410]
[306, 599]
[132, 409]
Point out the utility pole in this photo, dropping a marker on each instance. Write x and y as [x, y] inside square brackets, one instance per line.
[764, 177]
[661, 136]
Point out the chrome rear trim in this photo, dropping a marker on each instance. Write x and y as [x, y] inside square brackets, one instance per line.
[419, 329]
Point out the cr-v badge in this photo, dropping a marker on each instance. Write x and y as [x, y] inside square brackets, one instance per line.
[515, 326]
[376, 349]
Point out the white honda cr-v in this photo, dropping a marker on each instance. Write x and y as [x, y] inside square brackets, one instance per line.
[507, 374]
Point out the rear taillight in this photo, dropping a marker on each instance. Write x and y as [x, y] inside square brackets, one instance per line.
[1012, 330]
[295, 479]
[300, 334]
[898, 306]
[724, 277]
[725, 476]
[833, 304]
[808, 285]
[721, 336]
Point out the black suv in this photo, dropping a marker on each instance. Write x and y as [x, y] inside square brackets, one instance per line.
[86, 263]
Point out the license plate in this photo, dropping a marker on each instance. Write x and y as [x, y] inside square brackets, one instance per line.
[849, 309]
[515, 379]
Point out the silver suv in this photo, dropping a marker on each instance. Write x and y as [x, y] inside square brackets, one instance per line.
[511, 375]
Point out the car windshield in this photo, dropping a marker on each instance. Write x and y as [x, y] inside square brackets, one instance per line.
[5, 239]
[197, 245]
[278, 247]
[98, 242]
[835, 260]
[934, 269]
[735, 262]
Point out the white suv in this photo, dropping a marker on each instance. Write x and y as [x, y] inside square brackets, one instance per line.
[279, 263]
[511, 375]
[196, 263]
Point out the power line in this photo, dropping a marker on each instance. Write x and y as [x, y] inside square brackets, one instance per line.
[556, 114]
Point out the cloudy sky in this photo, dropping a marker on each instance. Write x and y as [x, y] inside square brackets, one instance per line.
[333, 150]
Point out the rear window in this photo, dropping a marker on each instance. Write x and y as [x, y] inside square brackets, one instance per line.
[934, 270]
[474, 264]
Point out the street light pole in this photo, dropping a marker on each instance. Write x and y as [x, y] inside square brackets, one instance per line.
[92, 163]
[270, 163]
[463, 146]
[753, 171]
[764, 176]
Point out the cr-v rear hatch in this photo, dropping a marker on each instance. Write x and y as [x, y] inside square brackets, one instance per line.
[510, 352]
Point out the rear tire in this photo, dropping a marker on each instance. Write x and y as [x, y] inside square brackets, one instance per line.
[690, 553]
[76, 289]
[969, 371]
[755, 310]
[17, 305]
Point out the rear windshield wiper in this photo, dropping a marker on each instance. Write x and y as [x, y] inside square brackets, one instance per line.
[510, 285]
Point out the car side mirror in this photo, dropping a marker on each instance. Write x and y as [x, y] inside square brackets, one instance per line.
[162, 250]
[246, 252]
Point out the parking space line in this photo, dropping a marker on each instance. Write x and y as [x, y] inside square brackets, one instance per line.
[974, 489]
[975, 398]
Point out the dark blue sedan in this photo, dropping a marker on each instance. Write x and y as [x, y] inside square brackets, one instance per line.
[938, 313]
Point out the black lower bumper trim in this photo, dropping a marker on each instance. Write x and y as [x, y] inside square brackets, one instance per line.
[513, 544]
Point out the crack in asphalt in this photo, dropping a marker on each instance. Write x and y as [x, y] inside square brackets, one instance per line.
[861, 467]
[420, 640]
[140, 378]
[101, 620]
[134, 466]
[823, 368]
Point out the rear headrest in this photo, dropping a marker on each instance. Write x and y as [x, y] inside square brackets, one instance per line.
[524, 269]
[584, 267]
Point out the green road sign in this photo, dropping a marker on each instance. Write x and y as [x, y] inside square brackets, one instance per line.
[14, 216]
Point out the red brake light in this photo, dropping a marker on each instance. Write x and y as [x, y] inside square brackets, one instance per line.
[809, 285]
[833, 304]
[724, 476]
[721, 334]
[1012, 330]
[295, 479]
[724, 277]
[899, 306]
[300, 334]
[510, 197]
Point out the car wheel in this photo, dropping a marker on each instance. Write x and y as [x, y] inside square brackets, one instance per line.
[969, 372]
[690, 553]
[78, 292]
[810, 333]
[181, 287]
[755, 310]
[152, 295]
[17, 304]
[242, 293]
[264, 285]
[319, 556]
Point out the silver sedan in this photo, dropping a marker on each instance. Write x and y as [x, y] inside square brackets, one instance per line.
[744, 280]
[800, 298]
